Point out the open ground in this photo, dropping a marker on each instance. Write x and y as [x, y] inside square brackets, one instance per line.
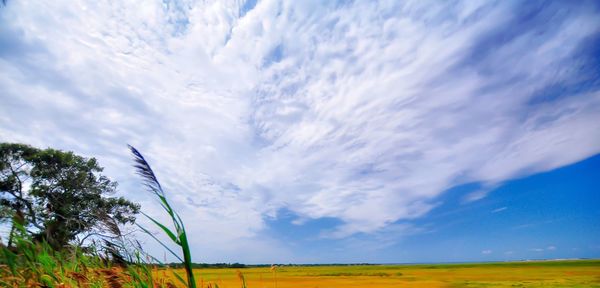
[579, 273]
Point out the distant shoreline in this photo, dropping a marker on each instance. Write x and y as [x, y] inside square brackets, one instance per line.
[525, 261]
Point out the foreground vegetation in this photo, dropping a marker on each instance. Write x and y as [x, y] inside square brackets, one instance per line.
[54, 201]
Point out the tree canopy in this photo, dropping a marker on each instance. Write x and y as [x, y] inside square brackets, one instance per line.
[58, 196]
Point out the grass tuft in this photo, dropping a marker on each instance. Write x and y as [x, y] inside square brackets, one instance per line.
[178, 236]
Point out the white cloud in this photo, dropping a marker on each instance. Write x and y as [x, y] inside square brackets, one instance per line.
[486, 252]
[365, 112]
[499, 209]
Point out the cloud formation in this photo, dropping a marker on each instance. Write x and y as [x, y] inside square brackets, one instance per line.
[361, 111]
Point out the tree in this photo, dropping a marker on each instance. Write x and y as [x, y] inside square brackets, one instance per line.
[15, 164]
[59, 196]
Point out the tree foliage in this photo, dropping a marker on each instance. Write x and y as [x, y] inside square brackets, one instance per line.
[58, 195]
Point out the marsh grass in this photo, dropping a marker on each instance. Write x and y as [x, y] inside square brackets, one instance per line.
[178, 236]
[36, 264]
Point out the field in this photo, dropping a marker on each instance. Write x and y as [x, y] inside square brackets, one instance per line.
[584, 273]
[121, 262]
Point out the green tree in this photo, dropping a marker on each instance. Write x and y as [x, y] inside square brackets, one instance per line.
[15, 203]
[59, 196]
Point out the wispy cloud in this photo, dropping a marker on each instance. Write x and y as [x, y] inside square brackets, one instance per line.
[499, 209]
[534, 224]
[486, 252]
[360, 111]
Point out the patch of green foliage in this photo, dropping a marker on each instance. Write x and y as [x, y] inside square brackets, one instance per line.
[58, 197]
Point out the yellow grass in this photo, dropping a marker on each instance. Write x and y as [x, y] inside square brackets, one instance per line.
[539, 274]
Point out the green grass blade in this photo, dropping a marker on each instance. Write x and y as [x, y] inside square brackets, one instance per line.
[165, 229]
[151, 181]
[179, 278]
[187, 256]
[159, 242]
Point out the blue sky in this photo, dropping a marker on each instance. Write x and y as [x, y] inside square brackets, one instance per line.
[327, 131]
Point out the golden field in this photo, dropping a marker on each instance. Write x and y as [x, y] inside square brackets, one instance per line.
[581, 273]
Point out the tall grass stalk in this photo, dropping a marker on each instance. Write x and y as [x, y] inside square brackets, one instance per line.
[179, 236]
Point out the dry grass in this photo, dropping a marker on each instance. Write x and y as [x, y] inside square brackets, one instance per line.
[538, 274]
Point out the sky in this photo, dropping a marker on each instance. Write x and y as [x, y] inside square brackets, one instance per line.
[327, 131]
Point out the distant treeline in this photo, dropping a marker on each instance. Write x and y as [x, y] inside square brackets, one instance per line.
[207, 265]
[239, 265]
